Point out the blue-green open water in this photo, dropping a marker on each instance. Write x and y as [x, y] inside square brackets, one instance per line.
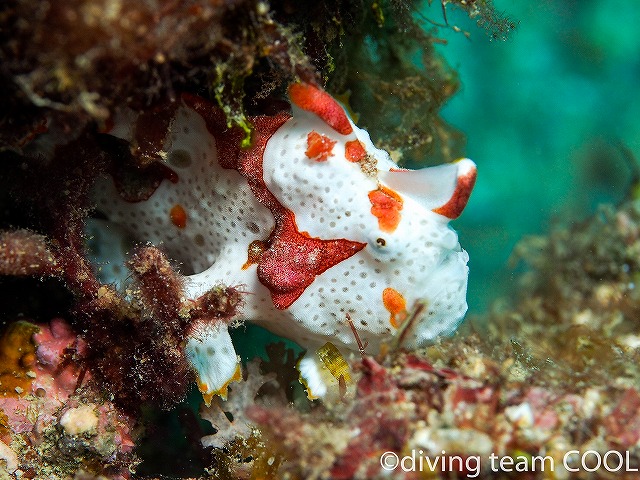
[543, 113]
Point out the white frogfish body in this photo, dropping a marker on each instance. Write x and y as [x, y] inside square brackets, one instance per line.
[314, 222]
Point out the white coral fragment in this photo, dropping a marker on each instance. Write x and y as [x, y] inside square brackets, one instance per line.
[228, 418]
[79, 420]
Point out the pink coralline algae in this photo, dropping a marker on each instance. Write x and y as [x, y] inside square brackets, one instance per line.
[406, 404]
[61, 424]
[57, 370]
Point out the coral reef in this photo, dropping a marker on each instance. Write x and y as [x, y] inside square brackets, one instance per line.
[411, 409]
[72, 392]
[57, 422]
[552, 371]
[579, 299]
[555, 376]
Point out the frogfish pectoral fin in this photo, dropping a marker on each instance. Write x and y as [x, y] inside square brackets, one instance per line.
[212, 356]
[325, 373]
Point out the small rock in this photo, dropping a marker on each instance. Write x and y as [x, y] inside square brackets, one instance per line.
[79, 420]
[520, 415]
[9, 457]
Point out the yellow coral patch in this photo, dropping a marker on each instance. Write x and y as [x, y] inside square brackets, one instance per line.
[333, 360]
[17, 359]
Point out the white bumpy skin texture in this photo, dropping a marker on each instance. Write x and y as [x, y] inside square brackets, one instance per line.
[390, 227]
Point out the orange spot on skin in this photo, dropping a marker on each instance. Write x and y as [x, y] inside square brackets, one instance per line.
[454, 207]
[396, 305]
[319, 147]
[312, 99]
[354, 151]
[254, 253]
[386, 206]
[178, 216]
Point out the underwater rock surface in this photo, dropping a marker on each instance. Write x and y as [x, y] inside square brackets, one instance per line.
[556, 376]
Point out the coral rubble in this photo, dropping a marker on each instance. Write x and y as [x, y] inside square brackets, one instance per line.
[555, 376]
[58, 423]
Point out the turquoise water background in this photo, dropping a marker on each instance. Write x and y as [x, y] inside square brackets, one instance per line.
[545, 113]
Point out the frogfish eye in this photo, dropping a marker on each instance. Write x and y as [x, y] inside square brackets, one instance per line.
[380, 243]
